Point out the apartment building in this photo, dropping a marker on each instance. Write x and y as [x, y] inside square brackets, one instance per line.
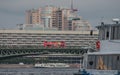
[33, 16]
[63, 19]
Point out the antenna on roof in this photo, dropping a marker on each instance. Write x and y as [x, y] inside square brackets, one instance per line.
[71, 4]
[102, 23]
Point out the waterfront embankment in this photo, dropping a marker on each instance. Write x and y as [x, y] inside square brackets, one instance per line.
[16, 66]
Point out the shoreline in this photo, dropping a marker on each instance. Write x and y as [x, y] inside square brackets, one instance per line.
[29, 66]
[16, 66]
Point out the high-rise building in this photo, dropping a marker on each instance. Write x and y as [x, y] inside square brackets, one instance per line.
[48, 16]
[65, 18]
[60, 18]
[32, 16]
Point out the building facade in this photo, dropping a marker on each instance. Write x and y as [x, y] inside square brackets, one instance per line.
[63, 19]
[78, 25]
[33, 16]
[48, 16]
[27, 38]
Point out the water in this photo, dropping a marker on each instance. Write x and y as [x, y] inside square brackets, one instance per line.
[52, 71]
[39, 71]
[102, 72]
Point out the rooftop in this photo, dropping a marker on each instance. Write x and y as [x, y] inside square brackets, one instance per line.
[47, 32]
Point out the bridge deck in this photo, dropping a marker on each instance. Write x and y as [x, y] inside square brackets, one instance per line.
[5, 52]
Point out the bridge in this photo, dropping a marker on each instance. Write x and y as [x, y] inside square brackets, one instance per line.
[8, 52]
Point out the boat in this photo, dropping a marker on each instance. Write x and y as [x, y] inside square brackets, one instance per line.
[51, 65]
[106, 59]
[107, 55]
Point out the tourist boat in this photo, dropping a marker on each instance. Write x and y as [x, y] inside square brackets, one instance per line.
[51, 65]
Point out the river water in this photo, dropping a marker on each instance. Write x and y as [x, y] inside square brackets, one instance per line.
[52, 71]
[39, 71]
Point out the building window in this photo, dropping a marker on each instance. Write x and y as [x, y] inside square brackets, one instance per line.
[91, 32]
[107, 35]
[91, 63]
[118, 58]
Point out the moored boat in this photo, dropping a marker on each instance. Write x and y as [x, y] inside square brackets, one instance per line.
[51, 65]
[107, 58]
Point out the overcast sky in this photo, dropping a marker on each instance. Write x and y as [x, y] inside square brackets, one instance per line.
[12, 12]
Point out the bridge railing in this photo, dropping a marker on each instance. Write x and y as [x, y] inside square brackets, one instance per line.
[40, 47]
[13, 51]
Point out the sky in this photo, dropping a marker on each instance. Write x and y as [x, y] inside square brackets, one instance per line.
[12, 12]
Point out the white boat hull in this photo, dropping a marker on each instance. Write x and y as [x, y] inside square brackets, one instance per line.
[51, 65]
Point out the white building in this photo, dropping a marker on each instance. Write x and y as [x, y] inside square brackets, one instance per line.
[35, 38]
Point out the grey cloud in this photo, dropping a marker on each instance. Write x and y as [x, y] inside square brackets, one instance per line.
[91, 10]
[10, 21]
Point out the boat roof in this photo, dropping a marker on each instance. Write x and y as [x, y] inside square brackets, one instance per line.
[104, 53]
